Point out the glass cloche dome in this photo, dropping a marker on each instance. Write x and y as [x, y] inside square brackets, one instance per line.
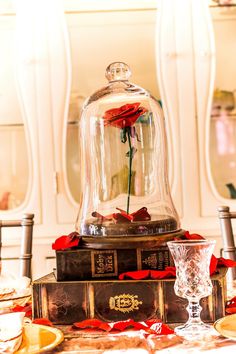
[124, 162]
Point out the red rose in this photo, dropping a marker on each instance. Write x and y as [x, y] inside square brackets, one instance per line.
[124, 116]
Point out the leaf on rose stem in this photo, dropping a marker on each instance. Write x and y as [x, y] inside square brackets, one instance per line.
[132, 152]
[123, 135]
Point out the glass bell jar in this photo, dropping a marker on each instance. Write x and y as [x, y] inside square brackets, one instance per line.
[125, 188]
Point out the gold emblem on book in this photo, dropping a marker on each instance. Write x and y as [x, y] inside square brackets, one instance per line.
[124, 303]
[151, 261]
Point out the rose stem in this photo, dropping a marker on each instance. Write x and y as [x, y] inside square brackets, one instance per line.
[130, 168]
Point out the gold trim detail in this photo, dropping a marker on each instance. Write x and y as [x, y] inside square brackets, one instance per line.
[104, 263]
[124, 303]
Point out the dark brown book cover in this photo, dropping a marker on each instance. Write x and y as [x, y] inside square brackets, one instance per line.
[114, 300]
[85, 264]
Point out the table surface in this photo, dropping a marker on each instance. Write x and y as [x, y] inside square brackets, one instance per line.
[135, 342]
[94, 342]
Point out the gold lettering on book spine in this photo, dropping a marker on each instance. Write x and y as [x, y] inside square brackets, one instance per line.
[124, 303]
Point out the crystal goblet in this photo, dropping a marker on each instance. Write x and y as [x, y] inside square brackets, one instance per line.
[192, 261]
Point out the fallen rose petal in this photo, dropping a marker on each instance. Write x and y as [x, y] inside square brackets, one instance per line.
[213, 264]
[157, 327]
[231, 306]
[123, 325]
[230, 310]
[92, 323]
[223, 262]
[65, 242]
[73, 236]
[135, 275]
[193, 236]
[27, 309]
[141, 215]
[119, 218]
[123, 213]
[43, 321]
[169, 272]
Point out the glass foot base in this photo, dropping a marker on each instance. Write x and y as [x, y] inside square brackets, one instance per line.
[193, 331]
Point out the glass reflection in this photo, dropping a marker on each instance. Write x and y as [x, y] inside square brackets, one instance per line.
[222, 144]
[14, 169]
[73, 146]
[14, 166]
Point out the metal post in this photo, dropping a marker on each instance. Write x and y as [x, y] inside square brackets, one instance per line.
[229, 249]
[26, 244]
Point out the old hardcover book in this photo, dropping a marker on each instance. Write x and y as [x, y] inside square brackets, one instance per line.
[108, 257]
[115, 300]
[85, 264]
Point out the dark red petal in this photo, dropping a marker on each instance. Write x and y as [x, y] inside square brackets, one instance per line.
[141, 215]
[64, 242]
[119, 218]
[73, 235]
[127, 216]
[193, 236]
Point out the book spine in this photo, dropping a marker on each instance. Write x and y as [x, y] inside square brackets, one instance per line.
[67, 302]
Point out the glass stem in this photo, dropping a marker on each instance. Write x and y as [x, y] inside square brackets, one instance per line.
[194, 310]
[130, 168]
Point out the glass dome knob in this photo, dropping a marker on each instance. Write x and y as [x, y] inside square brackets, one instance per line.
[118, 71]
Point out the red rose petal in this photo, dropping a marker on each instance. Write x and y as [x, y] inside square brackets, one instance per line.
[123, 325]
[154, 326]
[169, 272]
[123, 110]
[119, 218]
[27, 309]
[127, 216]
[124, 116]
[157, 327]
[193, 236]
[43, 321]
[135, 275]
[229, 263]
[92, 323]
[141, 215]
[65, 241]
[230, 311]
[213, 264]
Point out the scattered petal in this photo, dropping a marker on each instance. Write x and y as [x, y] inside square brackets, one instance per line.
[43, 321]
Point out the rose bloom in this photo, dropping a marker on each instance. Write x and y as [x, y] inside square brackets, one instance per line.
[124, 116]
